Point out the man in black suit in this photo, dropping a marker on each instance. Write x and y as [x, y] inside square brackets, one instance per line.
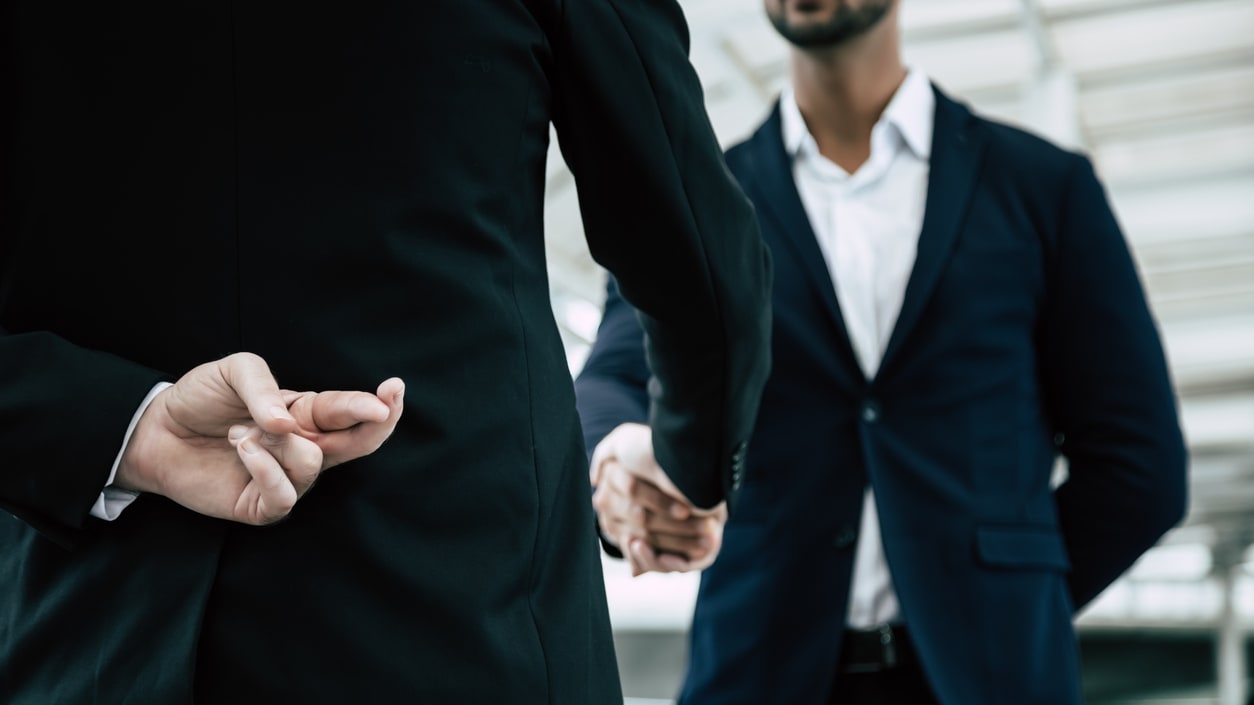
[345, 193]
[954, 308]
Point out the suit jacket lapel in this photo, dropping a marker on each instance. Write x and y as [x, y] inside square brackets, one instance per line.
[779, 200]
[957, 151]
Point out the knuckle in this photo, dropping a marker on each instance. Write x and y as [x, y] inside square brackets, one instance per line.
[312, 466]
[271, 520]
[243, 358]
[636, 514]
[282, 508]
[266, 518]
[625, 480]
[309, 460]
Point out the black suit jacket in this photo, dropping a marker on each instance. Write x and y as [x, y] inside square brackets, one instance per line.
[351, 191]
[1024, 334]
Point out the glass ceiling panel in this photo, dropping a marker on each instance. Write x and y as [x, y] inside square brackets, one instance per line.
[1189, 209]
[1178, 155]
[756, 46]
[976, 62]
[955, 15]
[1070, 7]
[1215, 348]
[1156, 35]
[1217, 94]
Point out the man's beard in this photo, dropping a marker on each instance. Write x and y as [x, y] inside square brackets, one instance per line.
[845, 24]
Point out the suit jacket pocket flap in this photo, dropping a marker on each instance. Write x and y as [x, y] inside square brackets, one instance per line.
[1021, 547]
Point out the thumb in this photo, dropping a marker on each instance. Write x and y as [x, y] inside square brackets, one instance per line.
[629, 444]
[633, 446]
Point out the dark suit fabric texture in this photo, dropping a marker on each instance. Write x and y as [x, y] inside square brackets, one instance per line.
[1024, 334]
[352, 192]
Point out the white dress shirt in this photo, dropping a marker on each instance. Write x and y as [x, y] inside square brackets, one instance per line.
[113, 500]
[867, 224]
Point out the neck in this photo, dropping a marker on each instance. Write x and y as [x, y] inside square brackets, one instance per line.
[842, 91]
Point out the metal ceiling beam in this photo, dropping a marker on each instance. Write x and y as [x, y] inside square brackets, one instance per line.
[1108, 10]
[1050, 97]
[1031, 18]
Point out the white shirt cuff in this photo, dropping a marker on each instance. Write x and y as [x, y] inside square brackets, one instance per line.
[113, 500]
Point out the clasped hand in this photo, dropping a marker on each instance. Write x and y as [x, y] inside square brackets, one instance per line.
[641, 511]
[227, 442]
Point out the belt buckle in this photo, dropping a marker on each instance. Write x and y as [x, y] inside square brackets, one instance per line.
[888, 648]
[887, 657]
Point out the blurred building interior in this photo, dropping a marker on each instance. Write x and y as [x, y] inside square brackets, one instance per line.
[1160, 93]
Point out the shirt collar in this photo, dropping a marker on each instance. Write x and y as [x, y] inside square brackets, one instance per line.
[911, 111]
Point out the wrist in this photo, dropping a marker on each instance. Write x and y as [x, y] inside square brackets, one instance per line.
[137, 471]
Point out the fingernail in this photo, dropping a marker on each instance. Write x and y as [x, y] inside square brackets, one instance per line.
[399, 396]
[280, 413]
[237, 432]
[249, 446]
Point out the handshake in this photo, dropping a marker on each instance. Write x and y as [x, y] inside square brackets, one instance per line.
[643, 514]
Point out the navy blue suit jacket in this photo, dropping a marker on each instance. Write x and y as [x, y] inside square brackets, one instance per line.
[1024, 334]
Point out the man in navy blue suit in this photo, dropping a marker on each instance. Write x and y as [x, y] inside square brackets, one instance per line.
[955, 308]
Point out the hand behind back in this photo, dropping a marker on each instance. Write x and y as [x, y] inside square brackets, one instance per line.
[227, 442]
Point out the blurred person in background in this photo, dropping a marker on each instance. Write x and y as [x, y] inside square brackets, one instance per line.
[347, 193]
[954, 307]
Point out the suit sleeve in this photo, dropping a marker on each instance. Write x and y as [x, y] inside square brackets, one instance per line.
[662, 213]
[611, 389]
[1112, 398]
[64, 411]
[64, 408]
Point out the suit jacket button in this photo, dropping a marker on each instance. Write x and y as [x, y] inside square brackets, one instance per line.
[870, 412]
[845, 538]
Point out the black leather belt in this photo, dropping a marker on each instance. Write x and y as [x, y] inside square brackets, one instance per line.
[874, 650]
